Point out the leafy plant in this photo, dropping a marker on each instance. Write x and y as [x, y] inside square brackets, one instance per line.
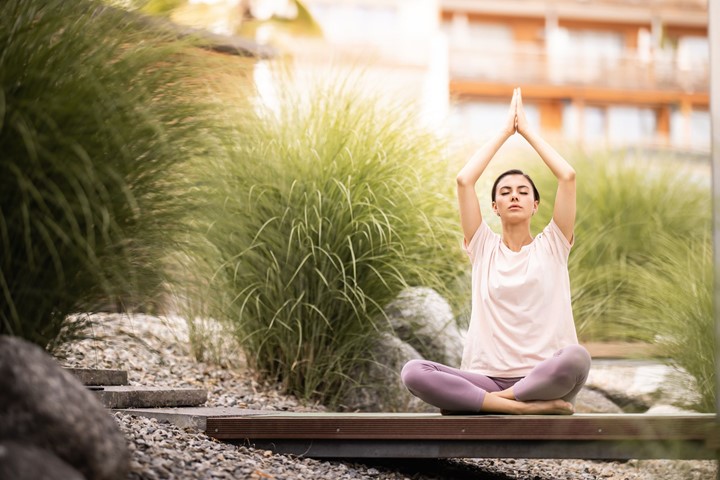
[625, 205]
[330, 205]
[96, 117]
[676, 288]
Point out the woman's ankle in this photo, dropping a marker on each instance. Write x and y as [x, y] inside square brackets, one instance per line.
[548, 407]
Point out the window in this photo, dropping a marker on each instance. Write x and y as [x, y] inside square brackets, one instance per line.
[461, 32]
[691, 131]
[693, 53]
[477, 120]
[627, 124]
[355, 22]
[593, 122]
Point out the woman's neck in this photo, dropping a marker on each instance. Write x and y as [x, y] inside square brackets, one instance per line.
[516, 236]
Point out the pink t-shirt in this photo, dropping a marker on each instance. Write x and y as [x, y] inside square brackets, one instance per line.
[521, 310]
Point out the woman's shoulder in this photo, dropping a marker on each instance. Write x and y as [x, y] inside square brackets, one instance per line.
[552, 237]
[483, 237]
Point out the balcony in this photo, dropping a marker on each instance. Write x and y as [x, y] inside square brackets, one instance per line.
[528, 65]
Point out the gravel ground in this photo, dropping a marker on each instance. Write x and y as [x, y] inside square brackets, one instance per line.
[155, 351]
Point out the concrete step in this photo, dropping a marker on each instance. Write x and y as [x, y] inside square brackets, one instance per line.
[191, 417]
[92, 376]
[147, 397]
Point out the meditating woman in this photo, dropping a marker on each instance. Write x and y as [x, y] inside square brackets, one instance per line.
[521, 353]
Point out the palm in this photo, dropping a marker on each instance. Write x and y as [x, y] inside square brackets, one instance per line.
[511, 122]
[521, 123]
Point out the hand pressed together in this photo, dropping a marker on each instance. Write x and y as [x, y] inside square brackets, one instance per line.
[516, 118]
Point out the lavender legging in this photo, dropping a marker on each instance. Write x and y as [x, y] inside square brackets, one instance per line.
[559, 377]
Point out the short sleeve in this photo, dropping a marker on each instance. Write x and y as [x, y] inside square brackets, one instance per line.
[556, 241]
[478, 241]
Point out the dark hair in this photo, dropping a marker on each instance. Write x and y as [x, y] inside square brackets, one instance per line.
[514, 172]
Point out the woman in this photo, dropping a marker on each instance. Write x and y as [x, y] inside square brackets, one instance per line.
[521, 354]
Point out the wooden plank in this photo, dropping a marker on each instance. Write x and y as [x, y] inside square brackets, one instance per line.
[473, 427]
[589, 450]
[621, 349]
[378, 435]
[591, 94]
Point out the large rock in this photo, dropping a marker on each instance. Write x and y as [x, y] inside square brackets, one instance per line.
[592, 401]
[44, 406]
[636, 385]
[424, 319]
[381, 389]
[27, 462]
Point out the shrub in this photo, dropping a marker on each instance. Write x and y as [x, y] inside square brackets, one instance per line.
[95, 118]
[331, 205]
[675, 288]
[642, 265]
[625, 205]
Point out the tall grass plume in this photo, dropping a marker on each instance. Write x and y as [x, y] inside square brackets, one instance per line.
[96, 116]
[332, 204]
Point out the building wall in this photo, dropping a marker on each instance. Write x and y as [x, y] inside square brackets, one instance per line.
[605, 73]
[599, 73]
[395, 45]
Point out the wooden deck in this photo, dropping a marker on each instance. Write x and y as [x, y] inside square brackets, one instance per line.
[589, 436]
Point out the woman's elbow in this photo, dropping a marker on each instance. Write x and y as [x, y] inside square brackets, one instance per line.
[463, 181]
[568, 176]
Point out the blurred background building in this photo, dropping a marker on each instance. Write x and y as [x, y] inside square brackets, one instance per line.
[605, 73]
[612, 71]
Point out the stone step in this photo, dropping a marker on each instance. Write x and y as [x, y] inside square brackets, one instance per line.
[92, 376]
[190, 417]
[148, 397]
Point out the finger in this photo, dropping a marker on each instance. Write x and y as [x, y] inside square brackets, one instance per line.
[519, 97]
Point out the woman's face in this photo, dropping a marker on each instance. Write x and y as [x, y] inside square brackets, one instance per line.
[514, 198]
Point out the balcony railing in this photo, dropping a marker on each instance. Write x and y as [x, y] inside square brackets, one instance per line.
[664, 72]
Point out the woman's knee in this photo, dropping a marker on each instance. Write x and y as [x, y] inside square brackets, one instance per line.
[579, 354]
[577, 359]
[411, 372]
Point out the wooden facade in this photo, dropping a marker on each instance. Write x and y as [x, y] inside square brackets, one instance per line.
[642, 76]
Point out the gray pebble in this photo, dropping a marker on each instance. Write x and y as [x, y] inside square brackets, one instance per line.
[164, 451]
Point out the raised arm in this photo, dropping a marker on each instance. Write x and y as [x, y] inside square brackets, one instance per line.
[470, 215]
[564, 208]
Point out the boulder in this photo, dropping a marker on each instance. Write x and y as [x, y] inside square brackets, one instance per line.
[20, 461]
[668, 410]
[636, 385]
[44, 406]
[380, 388]
[424, 319]
[592, 401]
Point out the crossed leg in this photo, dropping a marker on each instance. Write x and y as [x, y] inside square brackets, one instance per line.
[550, 388]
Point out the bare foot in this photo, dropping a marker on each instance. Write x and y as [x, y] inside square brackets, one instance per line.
[494, 403]
[548, 407]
